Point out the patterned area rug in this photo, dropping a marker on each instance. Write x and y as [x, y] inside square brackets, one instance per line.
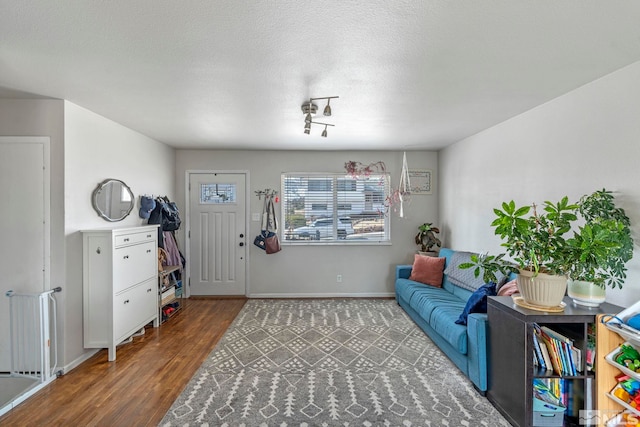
[354, 362]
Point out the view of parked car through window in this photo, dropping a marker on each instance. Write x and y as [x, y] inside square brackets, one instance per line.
[313, 202]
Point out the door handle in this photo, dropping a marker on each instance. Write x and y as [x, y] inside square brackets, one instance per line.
[241, 243]
[241, 235]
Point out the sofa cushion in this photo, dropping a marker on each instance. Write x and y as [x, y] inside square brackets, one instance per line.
[412, 292]
[438, 308]
[463, 278]
[427, 270]
[443, 321]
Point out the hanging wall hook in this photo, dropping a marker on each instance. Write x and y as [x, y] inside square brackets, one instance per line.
[267, 192]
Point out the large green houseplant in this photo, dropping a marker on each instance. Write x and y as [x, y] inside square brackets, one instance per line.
[600, 248]
[548, 244]
[535, 239]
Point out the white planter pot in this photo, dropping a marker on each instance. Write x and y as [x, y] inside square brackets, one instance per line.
[543, 290]
[429, 253]
[585, 293]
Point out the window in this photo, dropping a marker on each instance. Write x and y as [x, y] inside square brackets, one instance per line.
[217, 193]
[334, 208]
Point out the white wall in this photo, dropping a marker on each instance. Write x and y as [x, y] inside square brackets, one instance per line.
[97, 148]
[585, 140]
[311, 270]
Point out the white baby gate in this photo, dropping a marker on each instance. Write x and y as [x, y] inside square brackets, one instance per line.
[33, 340]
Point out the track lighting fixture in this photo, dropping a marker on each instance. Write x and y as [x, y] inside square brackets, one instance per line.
[309, 109]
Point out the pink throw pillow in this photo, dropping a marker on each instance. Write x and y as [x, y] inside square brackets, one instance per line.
[508, 289]
[427, 270]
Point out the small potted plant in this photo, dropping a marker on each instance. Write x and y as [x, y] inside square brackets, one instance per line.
[600, 248]
[426, 239]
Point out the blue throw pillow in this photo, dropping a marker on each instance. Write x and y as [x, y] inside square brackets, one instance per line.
[477, 302]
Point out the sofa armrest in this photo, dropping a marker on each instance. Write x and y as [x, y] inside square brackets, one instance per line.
[477, 334]
[403, 271]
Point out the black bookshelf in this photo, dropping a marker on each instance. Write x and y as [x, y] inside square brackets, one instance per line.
[510, 354]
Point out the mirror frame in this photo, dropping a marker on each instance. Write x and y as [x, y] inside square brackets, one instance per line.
[98, 190]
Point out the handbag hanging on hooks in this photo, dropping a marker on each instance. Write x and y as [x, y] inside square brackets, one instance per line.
[259, 241]
[272, 244]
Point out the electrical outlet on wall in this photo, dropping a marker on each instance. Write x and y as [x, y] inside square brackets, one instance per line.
[339, 278]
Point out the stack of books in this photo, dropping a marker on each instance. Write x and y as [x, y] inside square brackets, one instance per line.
[556, 352]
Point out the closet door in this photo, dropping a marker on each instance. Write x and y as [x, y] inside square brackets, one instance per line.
[24, 174]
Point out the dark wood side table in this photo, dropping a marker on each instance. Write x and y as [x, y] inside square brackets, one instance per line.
[510, 356]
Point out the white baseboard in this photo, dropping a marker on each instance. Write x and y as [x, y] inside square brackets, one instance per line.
[75, 363]
[331, 295]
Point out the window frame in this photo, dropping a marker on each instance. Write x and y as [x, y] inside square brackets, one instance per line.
[335, 201]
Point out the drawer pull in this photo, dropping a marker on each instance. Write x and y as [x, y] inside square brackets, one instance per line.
[125, 257]
[148, 236]
[126, 301]
[148, 251]
[98, 251]
[126, 239]
[148, 290]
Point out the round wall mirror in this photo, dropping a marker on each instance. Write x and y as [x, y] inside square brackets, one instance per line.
[112, 199]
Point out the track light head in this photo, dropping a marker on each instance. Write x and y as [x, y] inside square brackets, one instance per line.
[309, 108]
[324, 132]
[327, 109]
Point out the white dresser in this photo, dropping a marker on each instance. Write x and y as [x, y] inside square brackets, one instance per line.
[120, 284]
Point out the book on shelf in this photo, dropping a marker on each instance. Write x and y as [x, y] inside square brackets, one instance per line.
[537, 353]
[572, 354]
[541, 353]
[545, 355]
[549, 390]
[563, 355]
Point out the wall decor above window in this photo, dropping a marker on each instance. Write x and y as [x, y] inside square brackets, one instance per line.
[421, 181]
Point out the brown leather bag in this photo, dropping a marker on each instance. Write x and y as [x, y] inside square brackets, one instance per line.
[272, 244]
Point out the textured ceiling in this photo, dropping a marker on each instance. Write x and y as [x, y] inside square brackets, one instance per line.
[233, 74]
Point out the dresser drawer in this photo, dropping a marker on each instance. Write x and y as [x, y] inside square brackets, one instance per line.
[133, 307]
[134, 264]
[129, 239]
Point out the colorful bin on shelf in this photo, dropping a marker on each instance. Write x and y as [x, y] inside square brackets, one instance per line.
[546, 414]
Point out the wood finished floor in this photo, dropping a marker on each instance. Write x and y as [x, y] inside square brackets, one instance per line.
[140, 386]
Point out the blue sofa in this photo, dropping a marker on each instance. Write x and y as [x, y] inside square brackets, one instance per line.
[435, 310]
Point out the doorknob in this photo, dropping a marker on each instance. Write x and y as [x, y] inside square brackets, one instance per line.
[241, 235]
[241, 243]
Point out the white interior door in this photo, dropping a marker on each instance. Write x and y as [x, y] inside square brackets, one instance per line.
[24, 252]
[218, 242]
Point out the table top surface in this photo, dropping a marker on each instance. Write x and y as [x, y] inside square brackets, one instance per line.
[570, 310]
